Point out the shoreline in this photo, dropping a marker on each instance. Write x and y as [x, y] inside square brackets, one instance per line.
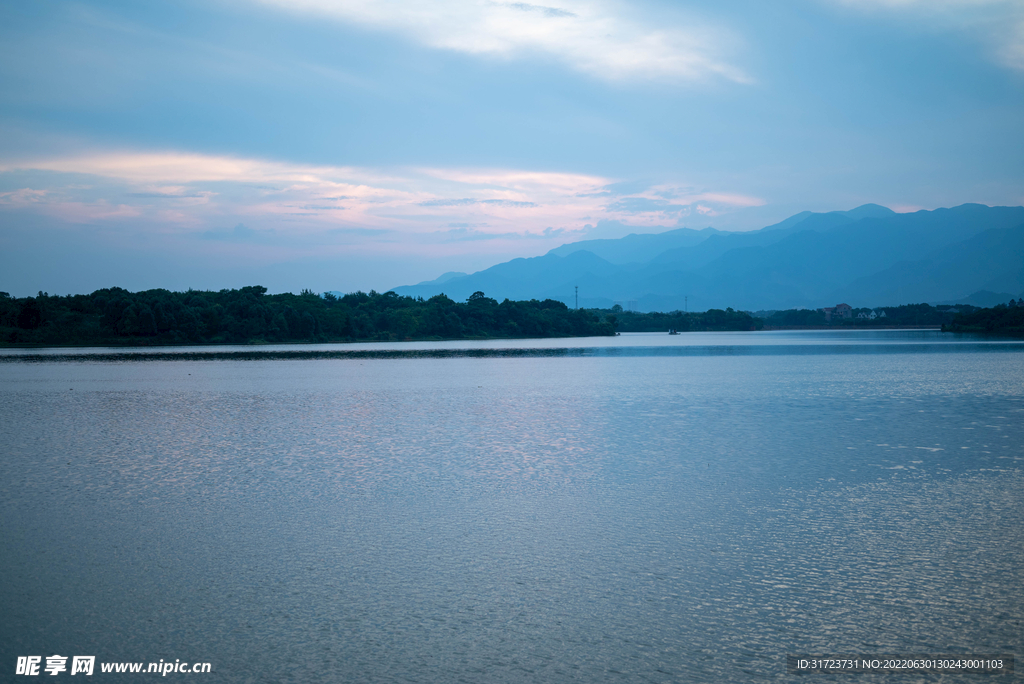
[212, 347]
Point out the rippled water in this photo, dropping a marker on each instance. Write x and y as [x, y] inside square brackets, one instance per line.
[640, 508]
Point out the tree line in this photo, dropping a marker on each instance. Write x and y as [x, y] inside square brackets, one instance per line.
[680, 321]
[250, 316]
[114, 316]
[906, 315]
[1003, 319]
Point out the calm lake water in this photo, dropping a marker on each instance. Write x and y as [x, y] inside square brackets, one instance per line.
[642, 508]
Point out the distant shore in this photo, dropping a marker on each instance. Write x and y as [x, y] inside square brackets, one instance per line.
[118, 318]
[859, 327]
[999, 320]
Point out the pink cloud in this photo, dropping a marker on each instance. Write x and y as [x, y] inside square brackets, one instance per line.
[382, 210]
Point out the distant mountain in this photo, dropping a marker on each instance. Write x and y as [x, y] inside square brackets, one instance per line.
[444, 278]
[869, 256]
[543, 277]
[863, 211]
[984, 299]
[992, 260]
[637, 248]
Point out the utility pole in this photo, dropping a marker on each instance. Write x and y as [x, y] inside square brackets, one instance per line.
[686, 303]
[577, 297]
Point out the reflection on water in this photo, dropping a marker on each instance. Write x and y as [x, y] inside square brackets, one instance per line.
[544, 515]
[787, 342]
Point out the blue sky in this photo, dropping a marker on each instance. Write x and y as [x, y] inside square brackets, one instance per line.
[343, 145]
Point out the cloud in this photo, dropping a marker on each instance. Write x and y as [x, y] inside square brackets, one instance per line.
[644, 204]
[1000, 23]
[603, 38]
[546, 11]
[466, 202]
[667, 204]
[375, 232]
[175, 191]
[60, 206]
[448, 202]
[240, 233]
[278, 204]
[23, 196]
[172, 167]
[1011, 53]
[466, 232]
[508, 203]
[930, 5]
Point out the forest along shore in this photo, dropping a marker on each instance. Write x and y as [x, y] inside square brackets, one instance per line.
[249, 315]
[117, 317]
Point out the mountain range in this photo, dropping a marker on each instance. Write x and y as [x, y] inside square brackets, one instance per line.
[869, 256]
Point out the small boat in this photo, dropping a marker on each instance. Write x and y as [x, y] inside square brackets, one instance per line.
[672, 332]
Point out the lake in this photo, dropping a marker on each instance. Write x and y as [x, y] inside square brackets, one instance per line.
[643, 508]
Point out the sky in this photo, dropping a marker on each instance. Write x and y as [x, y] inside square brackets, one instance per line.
[354, 144]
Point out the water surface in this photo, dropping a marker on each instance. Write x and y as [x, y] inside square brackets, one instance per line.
[640, 508]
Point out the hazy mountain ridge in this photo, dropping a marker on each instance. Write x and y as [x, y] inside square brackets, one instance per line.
[637, 248]
[869, 256]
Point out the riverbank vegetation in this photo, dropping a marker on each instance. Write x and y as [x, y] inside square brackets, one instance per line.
[249, 315]
[906, 316]
[117, 317]
[1001, 320]
[680, 321]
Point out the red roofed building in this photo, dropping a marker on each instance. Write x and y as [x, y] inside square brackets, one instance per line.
[838, 311]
